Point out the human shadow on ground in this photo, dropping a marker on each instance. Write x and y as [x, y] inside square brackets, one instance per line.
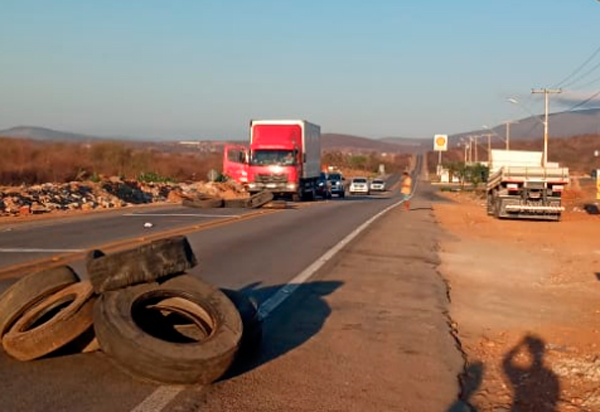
[535, 387]
[296, 320]
[470, 380]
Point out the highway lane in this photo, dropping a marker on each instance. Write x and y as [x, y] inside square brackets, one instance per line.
[21, 243]
[259, 255]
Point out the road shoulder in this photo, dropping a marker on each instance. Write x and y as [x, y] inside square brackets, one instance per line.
[369, 332]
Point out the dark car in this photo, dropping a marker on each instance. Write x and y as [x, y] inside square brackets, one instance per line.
[337, 184]
[323, 186]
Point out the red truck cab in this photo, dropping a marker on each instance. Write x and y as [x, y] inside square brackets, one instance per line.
[284, 157]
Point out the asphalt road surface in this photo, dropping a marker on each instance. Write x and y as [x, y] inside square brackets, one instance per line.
[258, 255]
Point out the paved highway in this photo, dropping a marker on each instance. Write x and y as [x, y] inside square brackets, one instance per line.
[258, 255]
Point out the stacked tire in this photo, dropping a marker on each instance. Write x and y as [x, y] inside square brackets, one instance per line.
[204, 201]
[151, 318]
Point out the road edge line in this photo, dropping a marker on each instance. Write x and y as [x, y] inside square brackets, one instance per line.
[269, 305]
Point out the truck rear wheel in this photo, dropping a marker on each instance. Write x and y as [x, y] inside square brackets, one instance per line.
[497, 207]
[490, 204]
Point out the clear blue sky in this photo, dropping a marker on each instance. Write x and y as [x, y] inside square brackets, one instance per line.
[203, 69]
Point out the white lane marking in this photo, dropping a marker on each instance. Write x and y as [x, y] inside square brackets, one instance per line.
[158, 399]
[286, 291]
[161, 397]
[175, 215]
[34, 250]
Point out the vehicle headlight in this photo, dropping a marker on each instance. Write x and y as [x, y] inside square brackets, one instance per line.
[291, 186]
[251, 185]
[320, 183]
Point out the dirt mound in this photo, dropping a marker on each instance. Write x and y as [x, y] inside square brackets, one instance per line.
[109, 193]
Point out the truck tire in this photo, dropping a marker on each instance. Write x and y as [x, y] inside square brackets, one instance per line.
[260, 199]
[235, 203]
[490, 204]
[30, 290]
[202, 203]
[51, 324]
[278, 204]
[252, 324]
[145, 263]
[497, 207]
[117, 316]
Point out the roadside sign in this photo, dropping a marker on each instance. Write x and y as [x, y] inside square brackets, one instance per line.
[440, 142]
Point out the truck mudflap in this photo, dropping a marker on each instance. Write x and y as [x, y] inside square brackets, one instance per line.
[534, 209]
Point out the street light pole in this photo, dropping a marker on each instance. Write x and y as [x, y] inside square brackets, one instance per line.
[507, 134]
[546, 93]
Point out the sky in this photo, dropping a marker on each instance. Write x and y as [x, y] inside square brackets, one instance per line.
[202, 69]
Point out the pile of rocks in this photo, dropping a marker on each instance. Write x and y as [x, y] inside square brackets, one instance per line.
[108, 193]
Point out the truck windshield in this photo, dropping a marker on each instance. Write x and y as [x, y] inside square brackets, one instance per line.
[272, 157]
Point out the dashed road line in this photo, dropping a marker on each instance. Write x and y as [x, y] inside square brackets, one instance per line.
[158, 399]
[177, 215]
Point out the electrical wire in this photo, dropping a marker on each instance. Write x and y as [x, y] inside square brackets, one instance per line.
[582, 76]
[578, 69]
[596, 80]
[589, 99]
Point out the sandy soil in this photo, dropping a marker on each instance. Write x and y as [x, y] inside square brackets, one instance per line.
[526, 304]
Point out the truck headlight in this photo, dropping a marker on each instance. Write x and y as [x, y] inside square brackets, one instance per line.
[291, 186]
[251, 185]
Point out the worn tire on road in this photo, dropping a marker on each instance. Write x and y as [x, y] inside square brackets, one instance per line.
[30, 290]
[236, 203]
[117, 316]
[278, 204]
[51, 324]
[143, 264]
[202, 203]
[260, 199]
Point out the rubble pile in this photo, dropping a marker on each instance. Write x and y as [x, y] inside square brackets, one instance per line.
[108, 193]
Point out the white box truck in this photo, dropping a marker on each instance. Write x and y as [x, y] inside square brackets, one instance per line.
[519, 186]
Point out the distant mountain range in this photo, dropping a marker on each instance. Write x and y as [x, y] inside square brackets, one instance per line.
[42, 133]
[563, 124]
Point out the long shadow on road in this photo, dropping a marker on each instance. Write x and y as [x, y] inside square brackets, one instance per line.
[293, 323]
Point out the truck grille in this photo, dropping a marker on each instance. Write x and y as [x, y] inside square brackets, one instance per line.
[264, 178]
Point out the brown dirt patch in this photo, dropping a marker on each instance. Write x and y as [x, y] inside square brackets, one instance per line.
[526, 302]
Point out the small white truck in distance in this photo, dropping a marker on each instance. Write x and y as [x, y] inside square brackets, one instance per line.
[519, 186]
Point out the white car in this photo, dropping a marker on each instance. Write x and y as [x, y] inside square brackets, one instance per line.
[359, 185]
[377, 185]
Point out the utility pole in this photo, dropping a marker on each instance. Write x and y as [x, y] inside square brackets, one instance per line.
[489, 146]
[546, 92]
[507, 134]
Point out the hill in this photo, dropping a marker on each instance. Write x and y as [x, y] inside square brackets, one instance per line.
[350, 143]
[560, 125]
[42, 133]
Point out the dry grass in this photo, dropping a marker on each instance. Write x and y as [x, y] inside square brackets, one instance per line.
[30, 162]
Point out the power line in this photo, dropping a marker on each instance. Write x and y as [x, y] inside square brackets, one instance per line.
[596, 80]
[578, 69]
[583, 76]
[589, 99]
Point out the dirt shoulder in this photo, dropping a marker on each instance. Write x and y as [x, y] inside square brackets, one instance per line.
[526, 302]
